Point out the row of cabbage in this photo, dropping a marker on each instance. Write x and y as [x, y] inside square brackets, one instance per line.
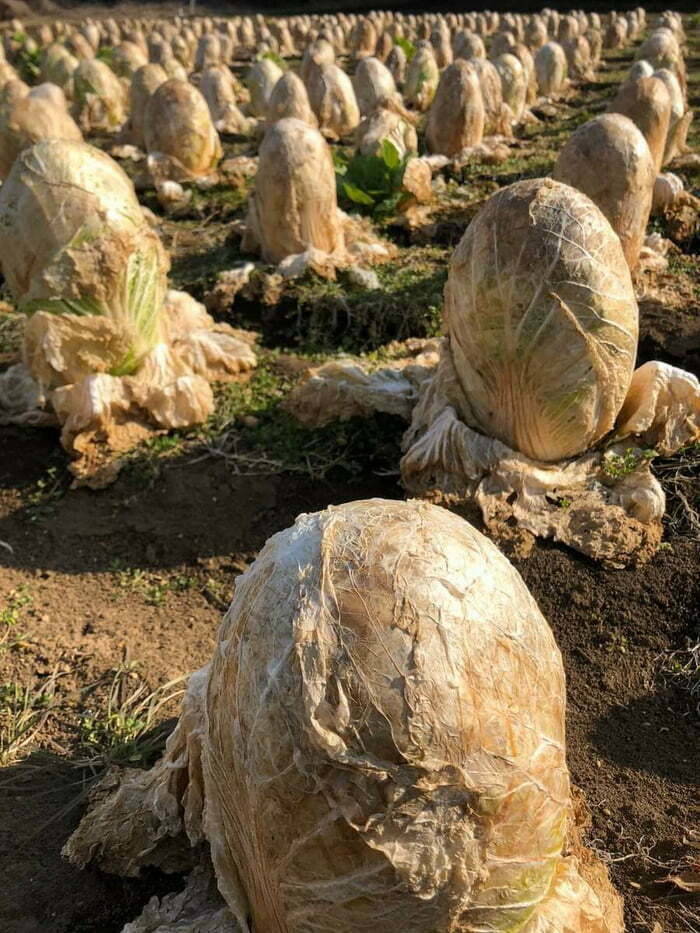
[379, 739]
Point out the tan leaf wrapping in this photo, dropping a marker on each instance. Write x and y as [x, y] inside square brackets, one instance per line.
[28, 120]
[159, 812]
[144, 83]
[614, 518]
[542, 319]
[388, 121]
[498, 116]
[609, 160]
[345, 389]
[514, 84]
[218, 90]
[180, 138]
[372, 82]
[100, 103]
[289, 98]
[294, 205]
[332, 98]
[662, 408]
[199, 908]
[383, 740]
[647, 102]
[550, 70]
[457, 115]
[68, 360]
[422, 78]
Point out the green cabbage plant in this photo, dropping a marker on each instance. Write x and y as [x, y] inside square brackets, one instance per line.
[372, 183]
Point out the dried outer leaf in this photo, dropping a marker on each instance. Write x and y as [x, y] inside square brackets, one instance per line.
[21, 399]
[514, 83]
[551, 70]
[681, 117]
[542, 321]
[167, 390]
[99, 98]
[497, 115]
[102, 414]
[199, 908]
[418, 737]
[387, 121]
[416, 183]
[372, 83]
[98, 423]
[340, 390]
[139, 818]
[261, 79]
[61, 349]
[668, 189]
[647, 102]
[180, 137]
[662, 408]
[289, 98]
[609, 160]
[457, 115]
[213, 350]
[28, 120]
[332, 98]
[144, 83]
[228, 284]
[567, 502]
[377, 731]
[294, 205]
[578, 58]
[422, 78]
[75, 242]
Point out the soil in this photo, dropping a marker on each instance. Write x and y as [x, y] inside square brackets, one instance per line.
[136, 577]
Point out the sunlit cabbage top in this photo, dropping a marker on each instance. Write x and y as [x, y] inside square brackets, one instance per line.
[74, 241]
[542, 320]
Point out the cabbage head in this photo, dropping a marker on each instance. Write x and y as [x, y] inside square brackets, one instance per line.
[378, 743]
[74, 241]
[542, 321]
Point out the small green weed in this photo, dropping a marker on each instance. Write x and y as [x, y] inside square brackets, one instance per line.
[28, 59]
[42, 500]
[616, 466]
[152, 586]
[407, 46]
[10, 617]
[126, 730]
[24, 711]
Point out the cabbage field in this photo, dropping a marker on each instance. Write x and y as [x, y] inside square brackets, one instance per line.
[349, 471]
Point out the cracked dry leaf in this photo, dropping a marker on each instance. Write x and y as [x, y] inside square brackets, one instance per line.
[378, 742]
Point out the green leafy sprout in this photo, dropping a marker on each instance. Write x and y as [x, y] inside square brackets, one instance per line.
[372, 183]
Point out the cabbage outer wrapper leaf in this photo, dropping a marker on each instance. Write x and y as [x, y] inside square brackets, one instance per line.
[74, 241]
[199, 908]
[574, 501]
[28, 120]
[99, 98]
[343, 389]
[397, 762]
[132, 319]
[67, 371]
[542, 319]
[180, 137]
